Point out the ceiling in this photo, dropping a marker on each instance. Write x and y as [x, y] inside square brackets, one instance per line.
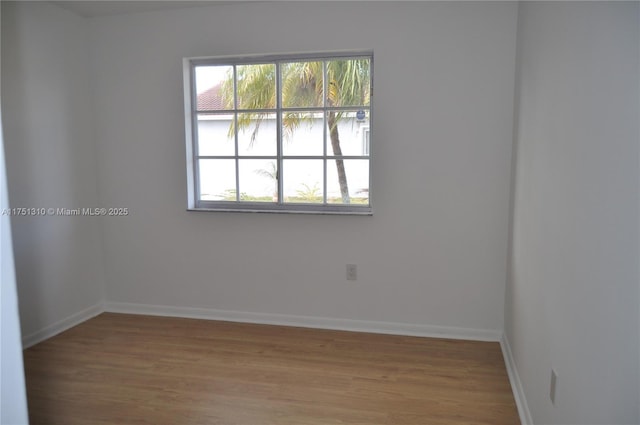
[95, 8]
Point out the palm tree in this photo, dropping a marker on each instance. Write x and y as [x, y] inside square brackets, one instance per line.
[348, 84]
[272, 174]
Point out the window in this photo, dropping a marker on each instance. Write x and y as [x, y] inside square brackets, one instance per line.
[279, 134]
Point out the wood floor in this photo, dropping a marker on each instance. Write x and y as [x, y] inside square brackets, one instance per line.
[126, 369]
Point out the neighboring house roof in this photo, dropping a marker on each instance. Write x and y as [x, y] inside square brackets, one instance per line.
[210, 100]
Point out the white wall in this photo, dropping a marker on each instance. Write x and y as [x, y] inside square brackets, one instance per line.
[444, 78]
[51, 162]
[13, 400]
[572, 296]
[435, 251]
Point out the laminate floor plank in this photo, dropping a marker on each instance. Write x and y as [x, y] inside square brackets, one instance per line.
[131, 369]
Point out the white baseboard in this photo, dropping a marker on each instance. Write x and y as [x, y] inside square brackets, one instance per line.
[61, 325]
[307, 321]
[392, 328]
[516, 384]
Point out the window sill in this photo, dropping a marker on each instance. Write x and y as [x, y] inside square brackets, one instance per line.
[362, 212]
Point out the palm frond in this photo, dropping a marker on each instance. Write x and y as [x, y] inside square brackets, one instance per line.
[271, 173]
[348, 84]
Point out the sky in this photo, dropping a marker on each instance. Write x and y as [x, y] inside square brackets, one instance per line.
[209, 76]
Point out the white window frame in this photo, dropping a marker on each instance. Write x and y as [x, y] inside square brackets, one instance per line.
[191, 137]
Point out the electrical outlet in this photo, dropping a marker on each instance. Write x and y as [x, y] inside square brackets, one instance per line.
[552, 386]
[352, 272]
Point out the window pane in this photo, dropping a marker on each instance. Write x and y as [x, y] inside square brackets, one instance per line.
[351, 128]
[257, 134]
[213, 135]
[302, 84]
[357, 181]
[302, 133]
[214, 87]
[217, 179]
[349, 82]
[256, 86]
[258, 180]
[302, 180]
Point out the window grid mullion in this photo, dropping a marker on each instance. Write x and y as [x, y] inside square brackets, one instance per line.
[235, 130]
[328, 157]
[280, 162]
[324, 132]
[237, 159]
[318, 109]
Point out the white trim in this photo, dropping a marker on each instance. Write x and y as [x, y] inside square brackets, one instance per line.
[392, 328]
[62, 325]
[196, 200]
[516, 384]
